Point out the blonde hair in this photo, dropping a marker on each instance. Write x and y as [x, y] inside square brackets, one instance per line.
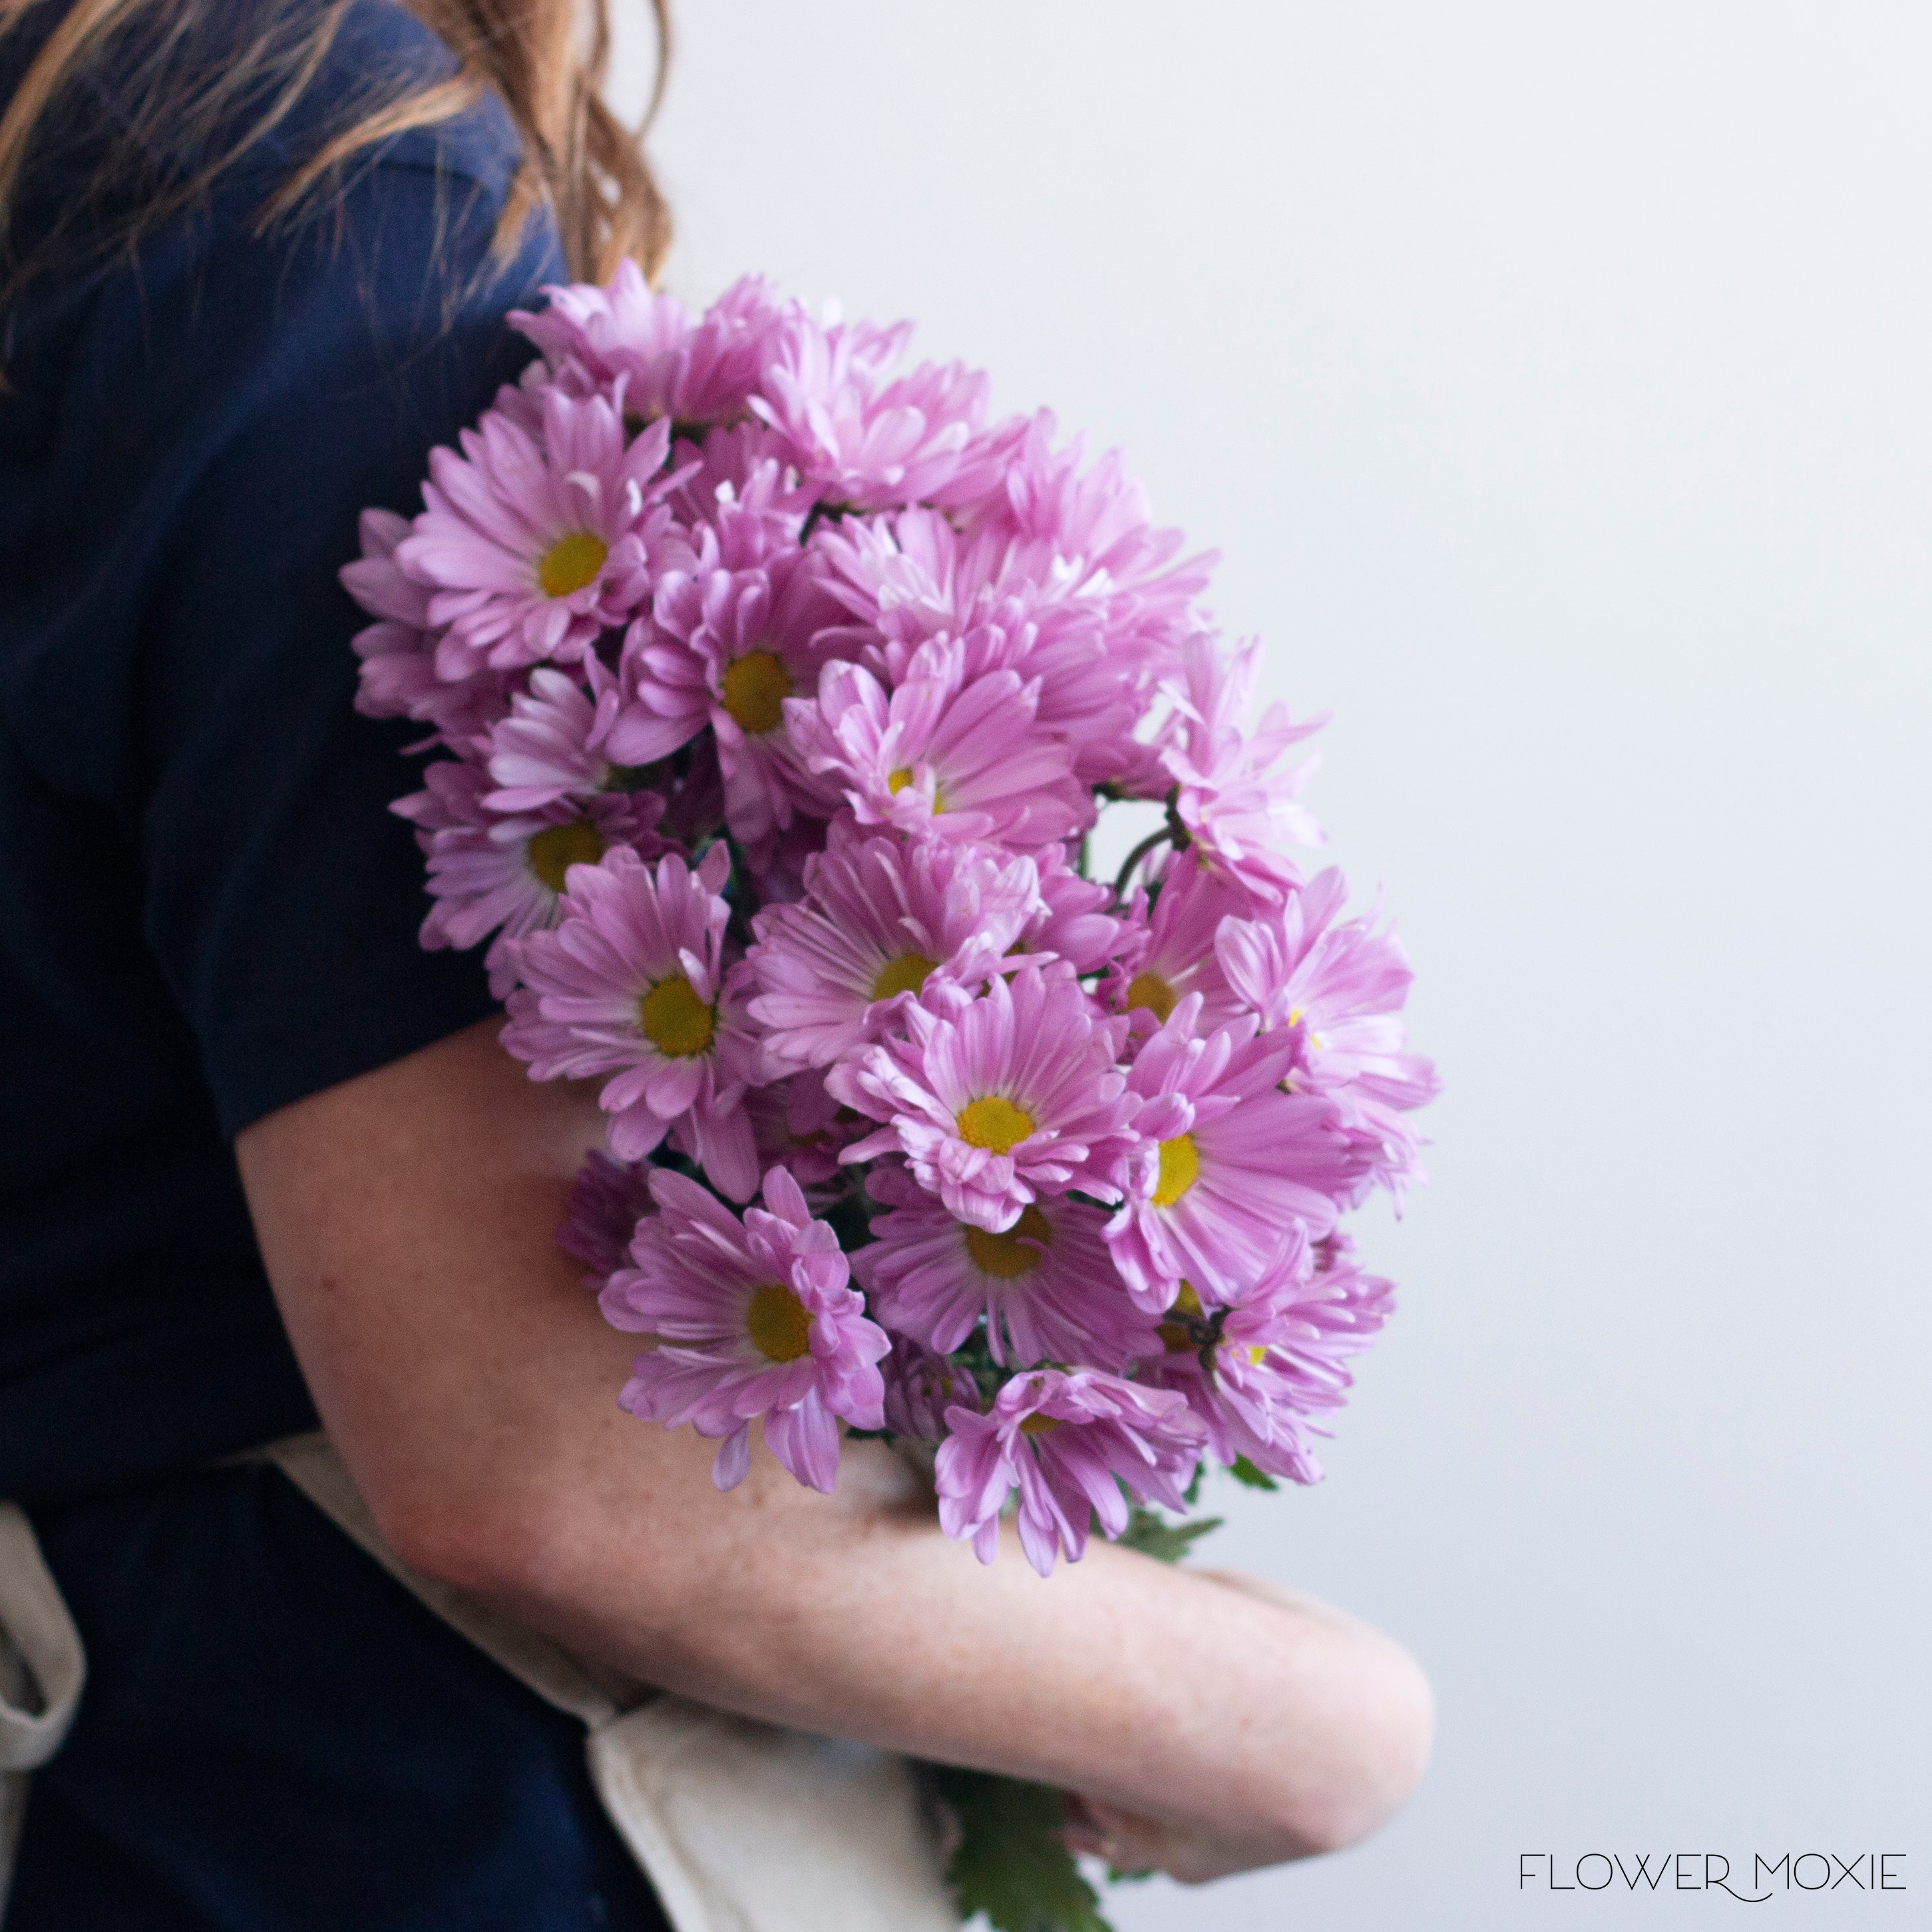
[187, 117]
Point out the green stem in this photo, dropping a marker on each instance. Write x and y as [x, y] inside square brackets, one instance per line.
[1140, 852]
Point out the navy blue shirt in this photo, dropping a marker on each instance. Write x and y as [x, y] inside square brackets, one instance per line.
[208, 912]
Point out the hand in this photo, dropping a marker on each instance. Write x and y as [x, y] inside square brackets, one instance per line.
[1192, 1854]
[1130, 1843]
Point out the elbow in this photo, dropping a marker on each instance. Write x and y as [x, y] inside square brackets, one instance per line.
[1380, 1755]
[486, 1540]
[442, 1536]
[534, 1550]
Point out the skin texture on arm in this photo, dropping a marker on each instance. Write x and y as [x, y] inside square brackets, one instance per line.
[468, 1381]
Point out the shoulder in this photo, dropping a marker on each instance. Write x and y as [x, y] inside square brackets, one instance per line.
[224, 388]
[245, 94]
[378, 53]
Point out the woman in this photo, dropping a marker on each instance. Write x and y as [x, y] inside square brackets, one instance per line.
[264, 1162]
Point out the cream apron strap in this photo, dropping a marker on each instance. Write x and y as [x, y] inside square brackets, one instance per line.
[740, 1826]
[42, 1669]
[314, 1468]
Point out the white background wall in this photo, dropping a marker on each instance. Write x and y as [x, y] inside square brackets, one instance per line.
[1555, 380]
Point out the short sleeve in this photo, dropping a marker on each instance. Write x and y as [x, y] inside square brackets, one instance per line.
[283, 897]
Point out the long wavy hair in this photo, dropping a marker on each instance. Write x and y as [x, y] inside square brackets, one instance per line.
[197, 83]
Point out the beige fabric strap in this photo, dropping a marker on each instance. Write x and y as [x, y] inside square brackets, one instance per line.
[740, 1826]
[42, 1669]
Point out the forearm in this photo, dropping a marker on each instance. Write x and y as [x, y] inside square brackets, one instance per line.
[1155, 1690]
[473, 1397]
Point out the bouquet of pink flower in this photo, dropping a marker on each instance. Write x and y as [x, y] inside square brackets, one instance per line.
[783, 692]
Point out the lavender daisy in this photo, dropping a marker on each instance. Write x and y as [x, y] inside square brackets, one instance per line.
[552, 745]
[534, 546]
[1265, 1374]
[751, 1319]
[1237, 803]
[1046, 1286]
[1340, 985]
[631, 983]
[1179, 957]
[1070, 1443]
[920, 1387]
[607, 1200]
[939, 755]
[733, 639]
[866, 442]
[701, 371]
[492, 871]
[879, 919]
[997, 1100]
[1229, 1167]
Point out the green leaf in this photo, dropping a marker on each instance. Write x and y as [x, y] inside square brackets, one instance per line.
[1244, 1471]
[1011, 1864]
[1152, 1534]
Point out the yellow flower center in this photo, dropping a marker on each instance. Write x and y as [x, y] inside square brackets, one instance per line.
[778, 1324]
[572, 562]
[1150, 991]
[1176, 1337]
[1180, 1168]
[1006, 1257]
[994, 1122]
[905, 974]
[1258, 1354]
[897, 782]
[756, 686]
[553, 851]
[1037, 1424]
[675, 1020]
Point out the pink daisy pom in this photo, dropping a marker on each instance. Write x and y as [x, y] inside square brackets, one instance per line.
[997, 1100]
[865, 441]
[736, 632]
[398, 670]
[666, 697]
[1231, 793]
[1023, 601]
[1339, 984]
[796, 1123]
[1070, 1443]
[920, 1387]
[940, 756]
[751, 1318]
[1096, 523]
[1073, 922]
[552, 745]
[631, 983]
[607, 1200]
[1264, 1374]
[398, 675]
[532, 546]
[694, 372]
[1230, 1169]
[878, 919]
[1047, 1286]
[1179, 957]
[504, 872]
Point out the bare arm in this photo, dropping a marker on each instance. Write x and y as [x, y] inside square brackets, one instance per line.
[469, 1383]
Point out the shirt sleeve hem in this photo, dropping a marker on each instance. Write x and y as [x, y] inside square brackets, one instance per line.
[306, 1050]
